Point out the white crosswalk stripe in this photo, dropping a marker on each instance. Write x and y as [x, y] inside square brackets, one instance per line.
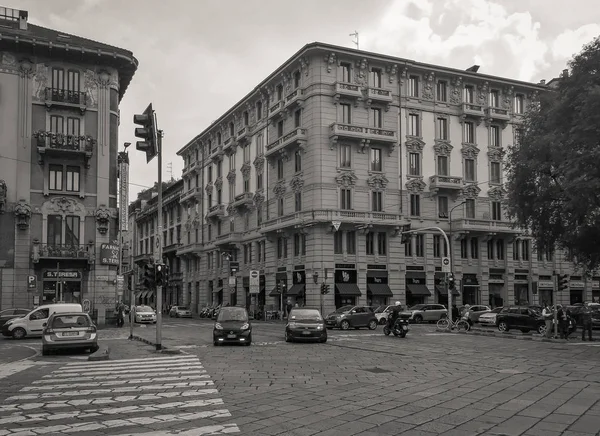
[120, 398]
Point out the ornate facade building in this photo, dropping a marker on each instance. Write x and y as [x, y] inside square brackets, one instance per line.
[59, 117]
[309, 178]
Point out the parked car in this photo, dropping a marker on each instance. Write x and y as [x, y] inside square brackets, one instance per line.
[522, 318]
[475, 311]
[32, 323]
[145, 315]
[305, 324]
[352, 316]
[232, 326]
[7, 314]
[424, 312]
[180, 312]
[72, 330]
[489, 318]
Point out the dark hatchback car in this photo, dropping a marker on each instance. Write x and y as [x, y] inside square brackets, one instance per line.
[522, 318]
[8, 314]
[232, 327]
[352, 316]
[305, 324]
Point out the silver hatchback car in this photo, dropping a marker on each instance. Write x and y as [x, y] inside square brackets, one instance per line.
[69, 331]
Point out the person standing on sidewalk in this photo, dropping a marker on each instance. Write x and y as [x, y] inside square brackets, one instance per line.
[548, 315]
[586, 318]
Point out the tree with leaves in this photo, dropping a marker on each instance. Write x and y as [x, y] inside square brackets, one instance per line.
[553, 171]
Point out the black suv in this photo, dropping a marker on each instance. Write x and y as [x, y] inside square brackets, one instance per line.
[520, 317]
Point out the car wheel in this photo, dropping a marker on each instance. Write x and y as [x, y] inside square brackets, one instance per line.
[19, 333]
[403, 334]
[372, 324]
[502, 326]
[288, 338]
[541, 329]
[345, 325]
[418, 319]
[323, 340]
[383, 321]
[216, 343]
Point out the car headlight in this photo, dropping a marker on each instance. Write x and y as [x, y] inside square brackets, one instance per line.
[218, 326]
[467, 313]
[320, 327]
[246, 326]
[292, 325]
[342, 316]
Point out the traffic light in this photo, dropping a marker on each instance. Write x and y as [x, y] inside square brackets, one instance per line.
[147, 132]
[324, 289]
[166, 274]
[160, 274]
[451, 282]
[405, 238]
[149, 276]
[563, 282]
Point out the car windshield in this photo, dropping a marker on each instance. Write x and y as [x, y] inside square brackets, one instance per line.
[233, 314]
[380, 309]
[305, 315]
[344, 309]
[497, 310]
[70, 321]
[417, 307]
[144, 309]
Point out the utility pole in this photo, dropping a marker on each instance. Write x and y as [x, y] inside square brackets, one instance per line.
[159, 238]
[355, 41]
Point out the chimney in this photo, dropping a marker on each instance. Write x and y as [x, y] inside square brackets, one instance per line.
[543, 82]
[565, 73]
[473, 69]
[23, 20]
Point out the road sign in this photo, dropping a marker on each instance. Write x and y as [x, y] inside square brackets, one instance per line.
[120, 284]
[231, 281]
[32, 282]
[446, 265]
[157, 255]
[86, 306]
[254, 282]
[336, 225]
[234, 266]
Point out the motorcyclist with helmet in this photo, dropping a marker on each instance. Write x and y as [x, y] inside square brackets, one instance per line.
[394, 312]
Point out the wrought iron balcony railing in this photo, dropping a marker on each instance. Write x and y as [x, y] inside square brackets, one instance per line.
[62, 251]
[78, 98]
[50, 142]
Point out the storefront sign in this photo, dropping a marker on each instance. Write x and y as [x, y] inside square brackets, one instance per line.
[595, 284]
[62, 275]
[109, 254]
[416, 280]
[377, 277]
[470, 280]
[345, 276]
[31, 282]
[123, 194]
[545, 284]
[299, 277]
[576, 284]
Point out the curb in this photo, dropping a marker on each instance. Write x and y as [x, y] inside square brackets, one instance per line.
[103, 353]
[164, 349]
[508, 335]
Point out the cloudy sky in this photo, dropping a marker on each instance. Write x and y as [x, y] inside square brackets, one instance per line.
[199, 57]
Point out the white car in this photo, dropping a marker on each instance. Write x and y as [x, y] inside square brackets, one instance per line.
[489, 318]
[145, 314]
[382, 313]
[180, 312]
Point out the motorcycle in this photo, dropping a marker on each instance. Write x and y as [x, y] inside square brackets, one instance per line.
[400, 327]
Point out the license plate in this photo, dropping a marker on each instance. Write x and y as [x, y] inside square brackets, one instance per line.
[70, 334]
[231, 336]
[306, 333]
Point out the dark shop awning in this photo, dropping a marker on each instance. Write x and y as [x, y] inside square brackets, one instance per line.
[348, 289]
[442, 290]
[296, 290]
[420, 290]
[379, 290]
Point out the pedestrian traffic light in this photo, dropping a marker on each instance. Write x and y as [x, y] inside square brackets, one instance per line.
[405, 236]
[451, 282]
[160, 276]
[147, 132]
[149, 276]
[324, 289]
[563, 282]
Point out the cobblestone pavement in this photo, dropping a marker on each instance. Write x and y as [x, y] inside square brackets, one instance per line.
[358, 383]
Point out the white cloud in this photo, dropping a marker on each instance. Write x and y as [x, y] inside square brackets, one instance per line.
[571, 42]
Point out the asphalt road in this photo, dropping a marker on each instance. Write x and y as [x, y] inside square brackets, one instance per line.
[358, 383]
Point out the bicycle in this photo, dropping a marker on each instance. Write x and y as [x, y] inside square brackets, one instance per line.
[459, 324]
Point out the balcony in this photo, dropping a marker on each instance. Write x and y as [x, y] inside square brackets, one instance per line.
[217, 153]
[141, 259]
[228, 239]
[190, 168]
[58, 144]
[216, 211]
[445, 182]
[378, 95]
[364, 135]
[243, 200]
[191, 248]
[468, 225]
[243, 135]
[294, 98]
[62, 252]
[276, 110]
[296, 137]
[176, 277]
[191, 194]
[361, 219]
[474, 111]
[497, 114]
[230, 144]
[348, 90]
[66, 99]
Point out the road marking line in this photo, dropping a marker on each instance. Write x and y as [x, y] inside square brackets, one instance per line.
[124, 367]
[120, 371]
[8, 369]
[149, 359]
[51, 378]
[180, 361]
[111, 383]
[200, 431]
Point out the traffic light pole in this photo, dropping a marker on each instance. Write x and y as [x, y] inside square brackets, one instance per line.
[159, 238]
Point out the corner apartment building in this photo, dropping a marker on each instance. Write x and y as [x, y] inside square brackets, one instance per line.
[143, 215]
[309, 178]
[59, 118]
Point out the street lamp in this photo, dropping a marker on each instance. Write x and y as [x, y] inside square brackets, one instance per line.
[316, 277]
[450, 232]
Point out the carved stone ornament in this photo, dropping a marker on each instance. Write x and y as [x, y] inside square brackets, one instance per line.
[231, 211]
[304, 63]
[258, 198]
[103, 78]
[330, 61]
[442, 148]
[377, 181]
[484, 91]
[3, 192]
[416, 185]
[496, 193]
[63, 205]
[22, 214]
[471, 191]
[361, 72]
[259, 164]
[209, 188]
[346, 179]
[40, 82]
[428, 85]
[188, 223]
[456, 92]
[26, 68]
[297, 183]
[231, 176]
[279, 189]
[392, 70]
[414, 145]
[495, 154]
[245, 170]
[469, 151]
[507, 101]
[219, 183]
[102, 219]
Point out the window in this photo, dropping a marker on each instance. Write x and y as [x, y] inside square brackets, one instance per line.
[474, 248]
[219, 169]
[247, 221]
[519, 104]
[415, 205]
[58, 78]
[413, 125]
[297, 77]
[442, 128]
[443, 207]
[375, 78]
[442, 91]
[420, 245]
[345, 113]
[469, 132]
[246, 185]
[375, 118]
[297, 118]
[490, 249]
[469, 94]
[370, 243]
[246, 153]
[351, 242]
[246, 118]
[231, 191]
[231, 129]
[442, 165]
[414, 162]
[494, 100]
[346, 72]
[382, 244]
[259, 181]
[56, 178]
[57, 124]
[496, 211]
[72, 230]
[413, 86]
[338, 242]
[470, 208]
[297, 161]
[345, 156]
[259, 145]
[298, 201]
[280, 128]
[469, 170]
[209, 231]
[500, 249]
[280, 247]
[376, 164]
[297, 244]
[495, 176]
[219, 138]
[73, 126]
[219, 196]
[232, 162]
[54, 230]
[516, 250]
[209, 173]
[464, 254]
[210, 146]
[525, 249]
[345, 199]
[495, 133]
[280, 209]
[72, 184]
[280, 92]
[258, 216]
[438, 243]
[408, 252]
[377, 201]
[259, 110]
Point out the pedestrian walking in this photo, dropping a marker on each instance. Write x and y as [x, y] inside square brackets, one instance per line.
[548, 315]
[586, 317]
[120, 317]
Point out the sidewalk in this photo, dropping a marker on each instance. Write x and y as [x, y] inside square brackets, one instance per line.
[492, 331]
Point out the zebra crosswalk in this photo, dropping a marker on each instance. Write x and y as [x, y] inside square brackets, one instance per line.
[144, 397]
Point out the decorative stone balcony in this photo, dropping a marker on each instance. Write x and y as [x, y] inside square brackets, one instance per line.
[191, 194]
[64, 98]
[276, 110]
[141, 259]
[451, 183]
[228, 239]
[484, 226]
[497, 114]
[243, 135]
[473, 111]
[58, 144]
[347, 90]
[294, 98]
[378, 95]
[189, 249]
[171, 247]
[217, 153]
[243, 200]
[216, 211]
[191, 168]
[62, 252]
[230, 144]
[296, 137]
[363, 135]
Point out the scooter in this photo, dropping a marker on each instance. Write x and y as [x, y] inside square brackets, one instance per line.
[400, 327]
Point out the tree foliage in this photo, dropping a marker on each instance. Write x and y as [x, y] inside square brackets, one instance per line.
[553, 172]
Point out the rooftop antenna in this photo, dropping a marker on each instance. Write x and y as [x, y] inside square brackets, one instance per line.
[170, 169]
[355, 41]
